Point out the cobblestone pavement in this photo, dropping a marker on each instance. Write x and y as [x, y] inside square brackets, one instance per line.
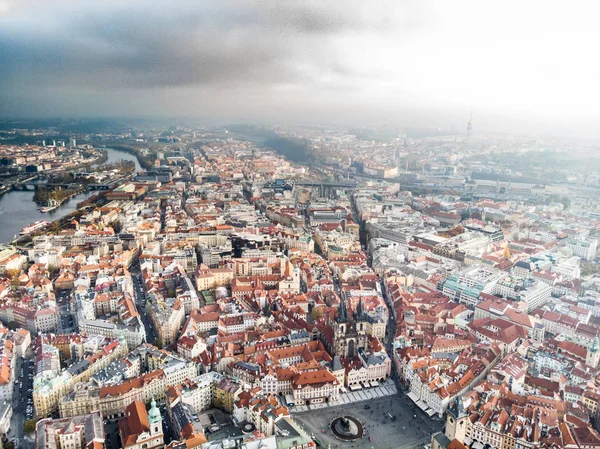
[411, 429]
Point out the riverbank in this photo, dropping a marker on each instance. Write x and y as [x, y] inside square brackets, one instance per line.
[145, 163]
[17, 208]
[43, 195]
[53, 227]
[101, 160]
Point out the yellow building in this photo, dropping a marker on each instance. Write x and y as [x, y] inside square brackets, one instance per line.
[226, 393]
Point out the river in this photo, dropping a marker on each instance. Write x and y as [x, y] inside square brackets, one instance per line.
[117, 156]
[17, 208]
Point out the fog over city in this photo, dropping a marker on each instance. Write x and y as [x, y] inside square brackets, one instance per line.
[520, 66]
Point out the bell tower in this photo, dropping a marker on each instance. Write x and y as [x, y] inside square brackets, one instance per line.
[592, 357]
[155, 419]
[456, 421]
[340, 328]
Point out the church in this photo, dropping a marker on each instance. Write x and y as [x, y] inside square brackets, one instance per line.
[351, 333]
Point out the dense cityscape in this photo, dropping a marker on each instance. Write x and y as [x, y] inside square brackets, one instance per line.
[299, 224]
[299, 287]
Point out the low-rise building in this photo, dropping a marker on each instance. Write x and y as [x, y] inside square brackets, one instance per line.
[79, 432]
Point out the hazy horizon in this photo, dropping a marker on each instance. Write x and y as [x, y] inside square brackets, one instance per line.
[521, 67]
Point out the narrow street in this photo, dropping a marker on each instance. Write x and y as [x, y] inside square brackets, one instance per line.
[140, 303]
[22, 403]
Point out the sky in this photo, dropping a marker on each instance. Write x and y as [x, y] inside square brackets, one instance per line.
[518, 65]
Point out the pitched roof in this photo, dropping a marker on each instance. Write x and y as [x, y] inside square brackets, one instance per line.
[134, 423]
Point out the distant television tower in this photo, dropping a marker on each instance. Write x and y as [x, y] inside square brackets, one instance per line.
[470, 125]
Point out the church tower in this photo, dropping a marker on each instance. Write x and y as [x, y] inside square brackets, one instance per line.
[456, 421]
[340, 328]
[592, 357]
[360, 318]
[155, 419]
[539, 331]
[341, 321]
[360, 311]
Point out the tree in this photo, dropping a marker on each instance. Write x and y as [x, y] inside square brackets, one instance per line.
[12, 325]
[588, 268]
[15, 282]
[317, 313]
[566, 202]
[29, 426]
[11, 273]
[116, 225]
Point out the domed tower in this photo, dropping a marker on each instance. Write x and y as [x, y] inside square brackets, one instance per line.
[592, 357]
[155, 419]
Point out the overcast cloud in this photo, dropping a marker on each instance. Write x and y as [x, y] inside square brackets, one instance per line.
[522, 65]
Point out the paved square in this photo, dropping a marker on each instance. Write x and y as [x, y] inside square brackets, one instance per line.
[405, 432]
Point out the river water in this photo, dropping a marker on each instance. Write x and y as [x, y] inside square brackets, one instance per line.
[17, 208]
[117, 156]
